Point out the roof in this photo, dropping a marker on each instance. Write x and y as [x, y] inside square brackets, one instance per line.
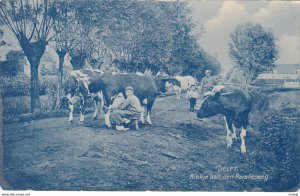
[287, 68]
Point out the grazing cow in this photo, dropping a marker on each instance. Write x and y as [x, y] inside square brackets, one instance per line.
[235, 104]
[144, 88]
[81, 85]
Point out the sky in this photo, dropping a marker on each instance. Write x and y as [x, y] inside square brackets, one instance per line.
[219, 19]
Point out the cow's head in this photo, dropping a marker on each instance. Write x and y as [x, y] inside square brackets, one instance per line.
[211, 106]
[175, 82]
[71, 85]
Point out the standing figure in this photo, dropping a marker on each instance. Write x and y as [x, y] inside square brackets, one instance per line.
[192, 95]
[207, 83]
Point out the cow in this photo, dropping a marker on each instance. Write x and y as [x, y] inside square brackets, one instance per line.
[144, 88]
[167, 85]
[235, 104]
[186, 81]
[81, 85]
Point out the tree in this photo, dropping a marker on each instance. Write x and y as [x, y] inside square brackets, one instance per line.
[253, 49]
[31, 22]
[84, 35]
[64, 27]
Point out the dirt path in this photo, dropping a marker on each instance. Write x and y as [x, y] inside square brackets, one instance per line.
[172, 154]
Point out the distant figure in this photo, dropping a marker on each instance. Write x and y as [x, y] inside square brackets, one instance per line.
[129, 109]
[207, 83]
[192, 95]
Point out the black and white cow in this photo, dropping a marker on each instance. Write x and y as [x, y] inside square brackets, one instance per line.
[161, 85]
[235, 104]
[144, 88]
[81, 85]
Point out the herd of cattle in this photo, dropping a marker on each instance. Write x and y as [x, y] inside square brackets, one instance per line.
[230, 100]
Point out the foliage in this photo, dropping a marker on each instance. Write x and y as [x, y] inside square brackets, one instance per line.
[12, 86]
[13, 64]
[281, 141]
[31, 22]
[152, 36]
[15, 86]
[253, 48]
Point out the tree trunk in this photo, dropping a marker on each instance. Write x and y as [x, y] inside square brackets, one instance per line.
[34, 52]
[61, 55]
[35, 84]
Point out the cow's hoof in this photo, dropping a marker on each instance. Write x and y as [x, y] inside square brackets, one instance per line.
[229, 145]
[149, 123]
[69, 122]
[229, 142]
[95, 118]
[243, 149]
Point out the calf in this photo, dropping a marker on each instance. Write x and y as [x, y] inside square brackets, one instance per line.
[235, 104]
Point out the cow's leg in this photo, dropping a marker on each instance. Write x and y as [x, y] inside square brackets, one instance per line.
[234, 132]
[149, 108]
[179, 94]
[148, 118]
[100, 95]
[106, 118]
[143, 115]
[243, 136]
[228, 125]
[96, 103]
[81, 118]
[71, 107]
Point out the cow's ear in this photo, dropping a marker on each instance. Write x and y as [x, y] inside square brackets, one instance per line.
[217, 95]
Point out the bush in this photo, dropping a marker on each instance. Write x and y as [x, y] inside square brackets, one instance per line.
[14, 106]
[48, 83]
[13, 86]
[280, 130]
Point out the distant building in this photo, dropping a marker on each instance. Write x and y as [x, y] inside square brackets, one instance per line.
[285, 75]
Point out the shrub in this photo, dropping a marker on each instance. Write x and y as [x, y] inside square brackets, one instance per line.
[13, 86]
[48, 83]
[14, 106]
[280, 130]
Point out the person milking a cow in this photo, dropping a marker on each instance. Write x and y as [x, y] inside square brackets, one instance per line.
[130, 109]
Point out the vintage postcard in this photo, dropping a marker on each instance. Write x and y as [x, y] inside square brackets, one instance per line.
[150, 96]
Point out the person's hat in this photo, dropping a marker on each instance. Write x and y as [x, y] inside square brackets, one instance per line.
[207, 71]
[129, 88]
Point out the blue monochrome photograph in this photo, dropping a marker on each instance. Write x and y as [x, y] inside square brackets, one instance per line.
[143, 95]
